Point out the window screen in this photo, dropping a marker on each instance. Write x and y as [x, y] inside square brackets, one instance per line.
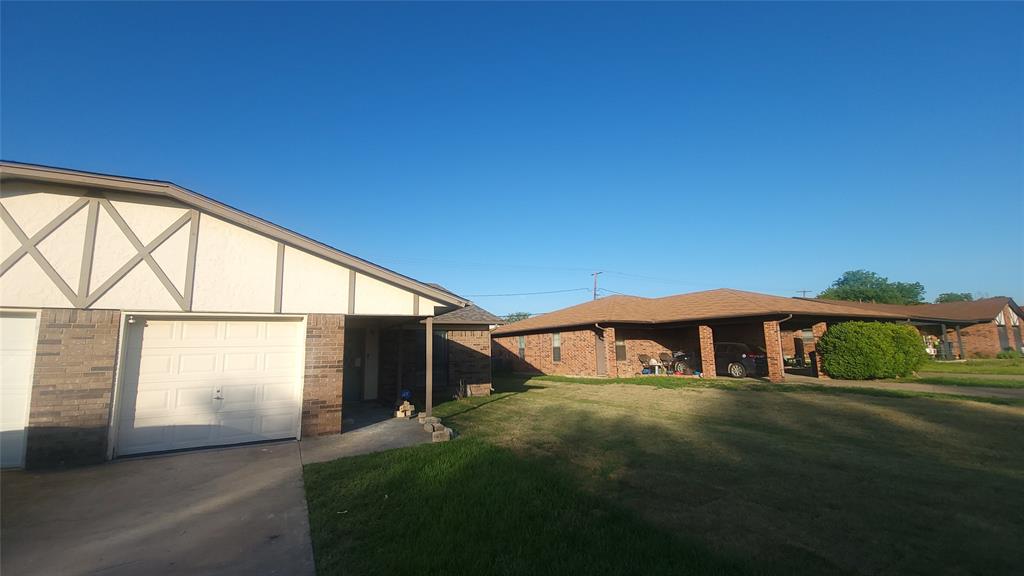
[522, 347]
[556, 347]
[620, 349]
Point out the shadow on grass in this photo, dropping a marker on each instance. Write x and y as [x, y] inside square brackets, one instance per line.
[761, 385]
[469, 507]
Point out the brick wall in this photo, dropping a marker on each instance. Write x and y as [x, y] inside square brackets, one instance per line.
[579, 353]
[321, 392]
[469, 360]
[980, 340]
[72, 387]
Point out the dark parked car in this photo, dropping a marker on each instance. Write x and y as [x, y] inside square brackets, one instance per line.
[739, 360]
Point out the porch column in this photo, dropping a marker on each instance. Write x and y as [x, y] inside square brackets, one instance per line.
[773, 345]
[430, 365]
[945, 343]
[818, 330]
[960, 342]
[707, 351]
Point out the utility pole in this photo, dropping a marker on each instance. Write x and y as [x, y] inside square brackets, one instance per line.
[595, 284]
[803, 293]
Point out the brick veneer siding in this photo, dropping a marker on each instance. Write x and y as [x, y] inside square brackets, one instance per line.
[982, 340]
[773, 346]
[322, 388]
[72, 387]
[469, 360]
[579, 354]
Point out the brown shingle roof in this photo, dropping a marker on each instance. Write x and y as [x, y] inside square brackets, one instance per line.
[471, 314]
[982, 310]
[707, 305]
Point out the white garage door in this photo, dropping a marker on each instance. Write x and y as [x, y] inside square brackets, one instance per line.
[17, 355]
[194, 383]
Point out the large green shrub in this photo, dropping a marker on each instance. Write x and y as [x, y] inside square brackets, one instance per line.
[864, 350]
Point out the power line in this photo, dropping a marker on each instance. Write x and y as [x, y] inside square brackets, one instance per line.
[526, 293]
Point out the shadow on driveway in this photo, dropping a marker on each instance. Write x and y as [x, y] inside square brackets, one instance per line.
[235, 510]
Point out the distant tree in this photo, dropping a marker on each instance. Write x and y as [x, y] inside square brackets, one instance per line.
[866, 286]
[954, 297]
[515, 317]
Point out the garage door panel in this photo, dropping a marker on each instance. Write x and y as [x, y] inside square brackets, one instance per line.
[197, 363]
[241, 362]
[18, 334]
[205, 383]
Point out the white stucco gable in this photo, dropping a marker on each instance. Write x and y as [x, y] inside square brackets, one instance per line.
[72, 239]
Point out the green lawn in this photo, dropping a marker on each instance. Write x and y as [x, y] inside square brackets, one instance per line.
[751, 385]
[993, 366]
[968, 381]
[556, 478]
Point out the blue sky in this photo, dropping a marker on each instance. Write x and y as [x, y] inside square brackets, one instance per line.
[509, 148]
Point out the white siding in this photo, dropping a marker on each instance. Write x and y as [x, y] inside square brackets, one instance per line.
[312, 284]
[235, 269]
[376, 297]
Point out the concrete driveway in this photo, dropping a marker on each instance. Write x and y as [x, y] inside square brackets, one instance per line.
[238, 510]
[222, 511]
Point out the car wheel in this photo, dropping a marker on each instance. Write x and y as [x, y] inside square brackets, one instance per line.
[736, 370]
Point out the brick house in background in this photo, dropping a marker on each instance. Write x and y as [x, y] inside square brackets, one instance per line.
[606, 337]
[137, 317]
[975, 329]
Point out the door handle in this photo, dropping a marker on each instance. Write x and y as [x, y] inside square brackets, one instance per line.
[218, 395]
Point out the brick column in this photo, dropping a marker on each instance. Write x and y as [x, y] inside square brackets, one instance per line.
[707, 351]
[818, 330]
[609, 342]
[72, 387]
[773, 345]
[611, 368]
[322, 383]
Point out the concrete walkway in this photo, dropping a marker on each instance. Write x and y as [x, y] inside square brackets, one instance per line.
[1005, 393]
[383, 435]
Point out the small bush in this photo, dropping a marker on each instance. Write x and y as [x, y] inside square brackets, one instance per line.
[1008, 354]
[866, 350]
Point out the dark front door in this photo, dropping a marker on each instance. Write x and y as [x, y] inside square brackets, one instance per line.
[355, 349]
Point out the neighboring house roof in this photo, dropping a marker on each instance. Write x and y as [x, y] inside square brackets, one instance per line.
[37, 173]
[983, 310]
[471, 314]
[706, 305]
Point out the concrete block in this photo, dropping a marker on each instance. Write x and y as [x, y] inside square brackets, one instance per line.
[443, 435]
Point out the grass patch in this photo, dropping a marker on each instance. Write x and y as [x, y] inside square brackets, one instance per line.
[470, 507]
[980, 366]
[966, 381]
[593, 478]
[670, 382]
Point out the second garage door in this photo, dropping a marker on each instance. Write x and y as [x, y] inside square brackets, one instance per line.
[190, 383]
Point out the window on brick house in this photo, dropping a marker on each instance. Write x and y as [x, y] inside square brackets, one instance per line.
[556, 347]
[522, 347]
[620, 349]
